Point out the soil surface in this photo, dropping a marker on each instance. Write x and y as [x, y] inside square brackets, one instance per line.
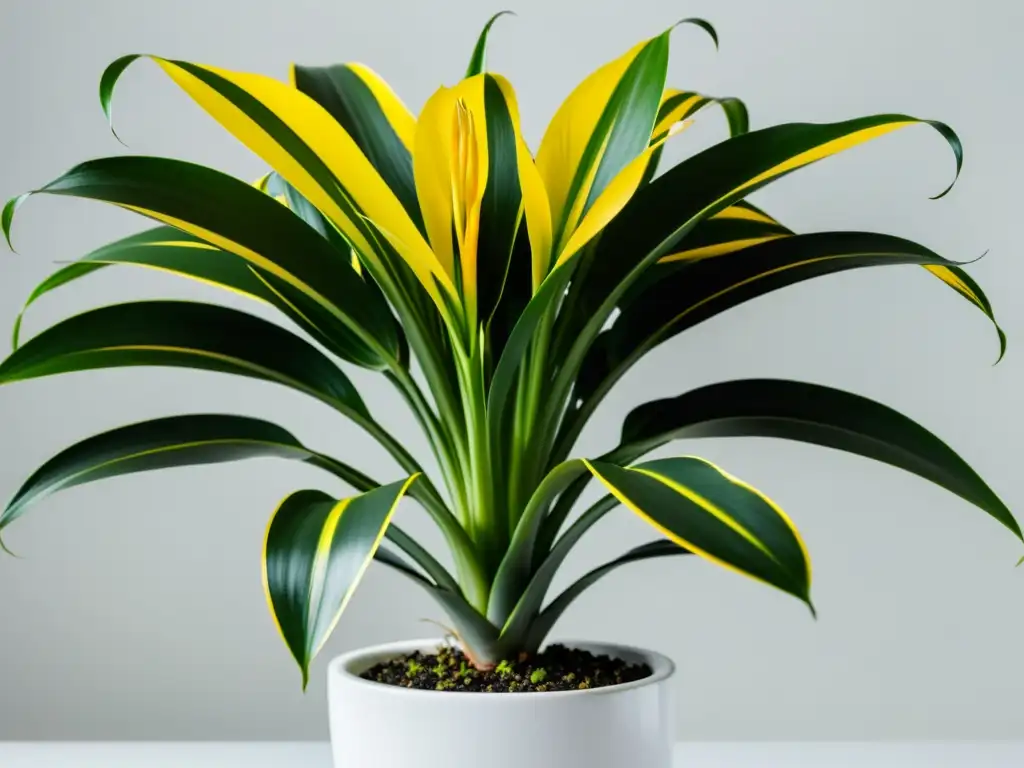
[557, 668]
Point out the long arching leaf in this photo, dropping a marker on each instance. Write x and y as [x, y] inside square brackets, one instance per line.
[676, 295]
[170, 250]
[808, 413]
[236, 217]
[301, 140]
[662, 213]
[714, 515]
[187, 335]
[314, 556]
[175, 441]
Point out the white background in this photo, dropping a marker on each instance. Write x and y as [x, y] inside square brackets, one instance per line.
[136, 611]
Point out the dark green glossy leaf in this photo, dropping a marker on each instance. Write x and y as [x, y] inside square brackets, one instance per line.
[500, 209]
[624, 129]
[517, 565]
[675, 296]
[543, 624]
[661, 214]
[316, 551]
[714, 515]
[478, 60]
[550, 291]
[808, 413]
[342, 90]
[176, 441]
[236, 217]
[517, 628]
[188, 335]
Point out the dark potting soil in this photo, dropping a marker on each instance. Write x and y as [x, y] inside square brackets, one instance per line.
[557, 668]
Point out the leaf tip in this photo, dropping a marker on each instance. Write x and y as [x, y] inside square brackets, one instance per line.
[7, 216]
[5, 548]
[1019, 562]
[810, 606]
[1002, 344]
[704, 24]
[955, 144]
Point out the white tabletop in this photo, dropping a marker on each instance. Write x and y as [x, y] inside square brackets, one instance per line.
[696, 755]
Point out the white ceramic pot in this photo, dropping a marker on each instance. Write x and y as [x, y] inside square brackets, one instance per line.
[383, 726]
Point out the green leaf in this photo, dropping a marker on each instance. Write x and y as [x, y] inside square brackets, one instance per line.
[517, 565]
[162, 248]
[678, 294]
[519, 623]
[238, 218]
[624, 130]
[478, 61]
[543, 624]
[188, 335]
[716, 516]
[736, 227]
[502, 202]
[677, 106]
[315, 553]
[176, 441]
[807, 413]
[662, 213]
[546, 297]
[347, 92]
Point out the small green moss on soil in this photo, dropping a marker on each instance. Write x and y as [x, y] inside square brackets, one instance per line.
[557, 668]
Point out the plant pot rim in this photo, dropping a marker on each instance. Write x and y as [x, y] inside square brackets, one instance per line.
[350, 665]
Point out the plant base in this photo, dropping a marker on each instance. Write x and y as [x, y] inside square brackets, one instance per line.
[375, 725]
[557, 668]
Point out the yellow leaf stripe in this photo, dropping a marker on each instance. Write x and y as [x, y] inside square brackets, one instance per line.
[718, 249]
[822, 151]
[613, 199]
[357, 184]
[366, 562]
[712, 509]
[254, 258]
[394, 109]
[569, 132]
[745, 214]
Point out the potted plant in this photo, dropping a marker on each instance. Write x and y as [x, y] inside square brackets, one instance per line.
[522, 286]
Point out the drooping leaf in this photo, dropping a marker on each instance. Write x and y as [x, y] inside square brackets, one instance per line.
[714, 515]
[301, 140]
[175, 441]
[188, 335]
[808, 413]
[315, 553]
[238, 218]
[547, 619]
[677, 106]
[662, 213]
[685, 290]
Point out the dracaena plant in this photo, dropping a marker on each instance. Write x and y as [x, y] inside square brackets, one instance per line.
[502, 293]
